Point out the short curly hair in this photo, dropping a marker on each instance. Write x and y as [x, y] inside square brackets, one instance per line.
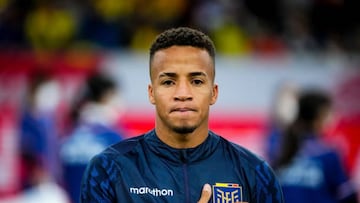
[182, 36]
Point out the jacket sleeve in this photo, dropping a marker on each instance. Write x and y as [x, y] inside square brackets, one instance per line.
[337, 178]
[97, 182]
[267, 188]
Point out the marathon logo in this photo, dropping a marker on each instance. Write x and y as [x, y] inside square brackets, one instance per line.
[227, 193]
[152, 191]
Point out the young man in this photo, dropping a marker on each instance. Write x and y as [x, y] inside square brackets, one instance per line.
[180, 158]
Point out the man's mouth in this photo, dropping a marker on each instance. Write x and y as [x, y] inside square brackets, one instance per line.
[182, 109]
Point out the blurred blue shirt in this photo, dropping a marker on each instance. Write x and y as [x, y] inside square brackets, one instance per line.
[316, 174]
[87, 140]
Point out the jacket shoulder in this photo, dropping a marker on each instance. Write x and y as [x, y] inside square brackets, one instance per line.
[242, 153]
[124, 146]
[115, 153]
[258, 172]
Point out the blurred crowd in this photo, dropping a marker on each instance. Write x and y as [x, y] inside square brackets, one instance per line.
[237, 27]
[56, 142]
[53, 141]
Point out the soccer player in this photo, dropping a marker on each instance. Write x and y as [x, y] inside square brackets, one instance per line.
[180, 160]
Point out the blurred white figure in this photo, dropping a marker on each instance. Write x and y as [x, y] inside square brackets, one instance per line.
[283, 112]
[43, 189]
[44, 192]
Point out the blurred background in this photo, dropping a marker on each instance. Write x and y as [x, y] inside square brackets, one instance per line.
[267, 51]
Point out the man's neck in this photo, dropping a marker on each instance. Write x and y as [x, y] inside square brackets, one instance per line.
[182, 141]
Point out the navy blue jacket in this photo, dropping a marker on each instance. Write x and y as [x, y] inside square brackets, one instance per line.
[144, 169]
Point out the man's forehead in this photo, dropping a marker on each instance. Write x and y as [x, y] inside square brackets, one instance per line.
[165, 60]
[182, 49]
[175, 74]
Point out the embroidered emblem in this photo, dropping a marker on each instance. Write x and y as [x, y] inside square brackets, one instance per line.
[227, 193]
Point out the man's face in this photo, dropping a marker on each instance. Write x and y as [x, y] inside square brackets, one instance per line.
[182, 88]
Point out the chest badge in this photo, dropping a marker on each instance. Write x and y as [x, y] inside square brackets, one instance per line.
[227, 193]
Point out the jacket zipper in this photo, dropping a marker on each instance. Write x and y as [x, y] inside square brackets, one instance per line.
[186, 179]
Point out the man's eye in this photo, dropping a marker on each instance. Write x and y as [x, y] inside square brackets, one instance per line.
[197, 82]
[167, 82]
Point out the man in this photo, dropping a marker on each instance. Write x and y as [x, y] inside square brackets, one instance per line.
[180, 158]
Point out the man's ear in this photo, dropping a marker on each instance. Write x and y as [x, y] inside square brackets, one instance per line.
[214, 95]
[151, 94]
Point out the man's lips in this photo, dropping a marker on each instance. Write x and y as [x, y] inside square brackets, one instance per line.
[182, 109]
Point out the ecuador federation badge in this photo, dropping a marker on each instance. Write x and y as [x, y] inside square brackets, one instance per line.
[227, 193]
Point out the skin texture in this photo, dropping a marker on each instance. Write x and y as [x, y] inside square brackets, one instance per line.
[205, 194]
[182, 89]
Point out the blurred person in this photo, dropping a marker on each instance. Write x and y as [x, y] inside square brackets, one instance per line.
[38, 139]
[39, 126]
[297, 33]
[308, 169]
[143, 37]
[282, 114]
[42, 187]
[236, 41]
[107, 23]
[49, 27]
[180, 158]
[95, 120]
[223, 18]
[148, 25]
[166, 14]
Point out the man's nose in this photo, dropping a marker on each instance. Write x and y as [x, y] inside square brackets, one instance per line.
[183, 92]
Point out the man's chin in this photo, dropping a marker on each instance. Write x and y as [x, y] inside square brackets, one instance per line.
[184, 129]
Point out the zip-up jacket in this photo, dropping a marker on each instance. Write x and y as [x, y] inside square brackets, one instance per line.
[144, 169]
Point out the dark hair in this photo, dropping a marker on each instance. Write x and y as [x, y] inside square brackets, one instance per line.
[311, 104]
[97, 86]
[182, 36]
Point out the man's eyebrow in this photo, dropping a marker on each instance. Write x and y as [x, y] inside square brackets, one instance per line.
[192, 74]
[167, 74]
[173, 75]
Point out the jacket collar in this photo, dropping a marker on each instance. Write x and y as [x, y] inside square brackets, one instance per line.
[182, 156]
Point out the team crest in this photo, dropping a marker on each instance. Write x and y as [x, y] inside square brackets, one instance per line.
[227, 193]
